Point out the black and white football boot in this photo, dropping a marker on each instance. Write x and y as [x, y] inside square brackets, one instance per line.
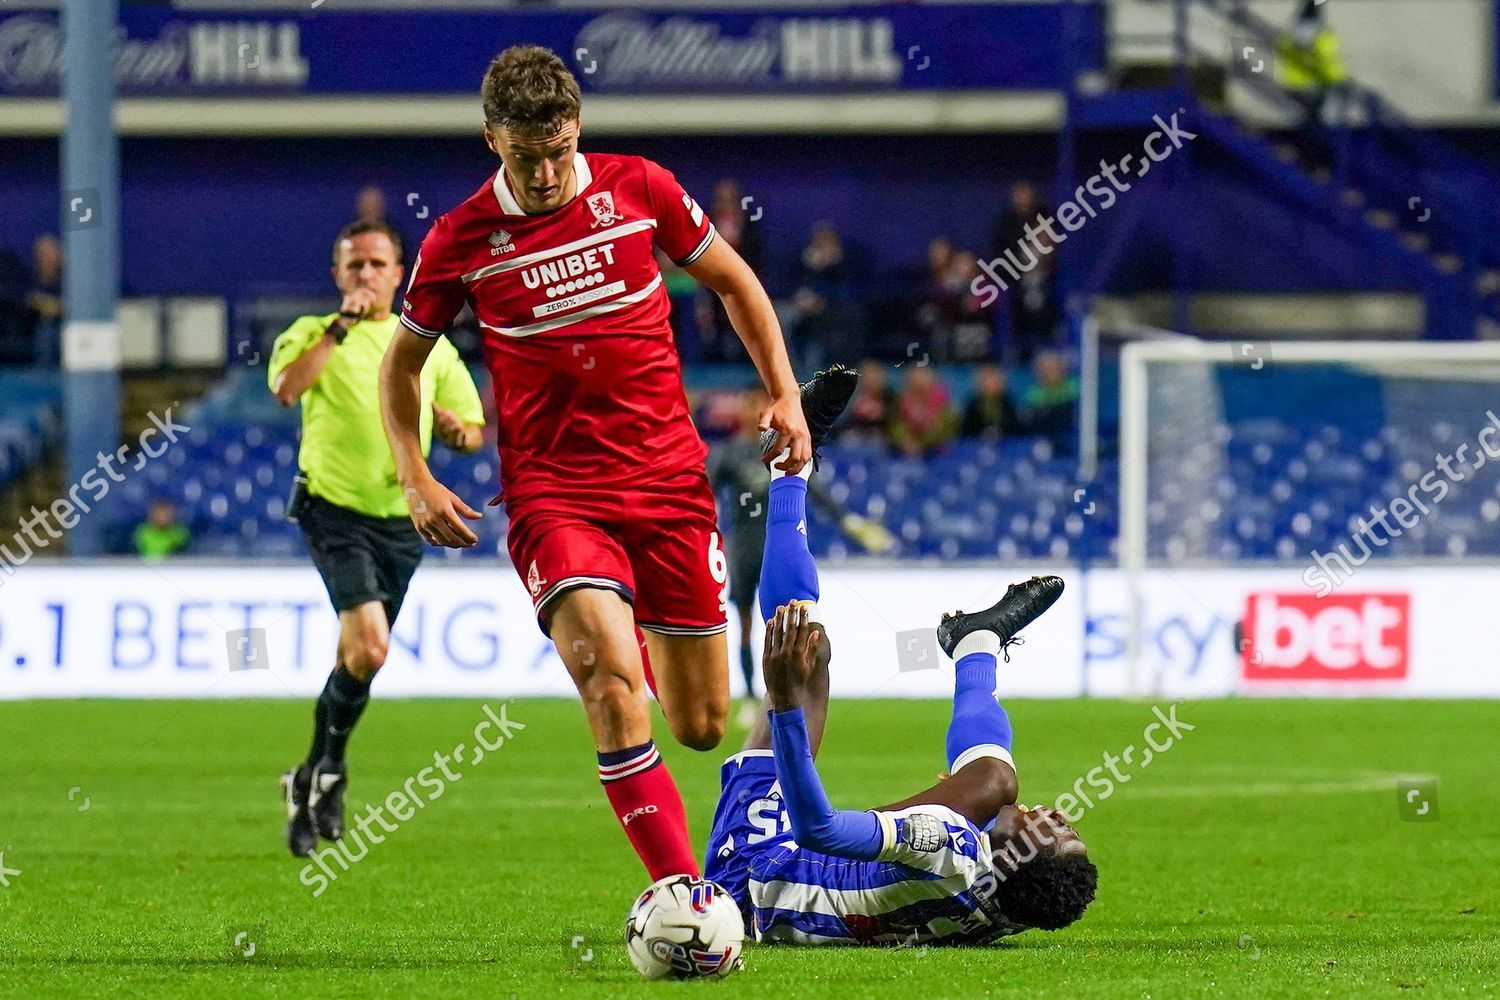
[301, 838]
[326, 798]
[1022, 604]
[824, 397]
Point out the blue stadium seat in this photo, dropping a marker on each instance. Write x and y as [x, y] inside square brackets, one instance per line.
[1255, 489]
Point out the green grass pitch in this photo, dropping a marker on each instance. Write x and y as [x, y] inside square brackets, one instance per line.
[1263, 855]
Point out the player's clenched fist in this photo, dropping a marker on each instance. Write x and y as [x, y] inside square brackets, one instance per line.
[784, 415]
[438, 514]
[356, 305]
[448, 428]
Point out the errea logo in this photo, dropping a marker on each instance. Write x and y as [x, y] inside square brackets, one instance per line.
[500, 243]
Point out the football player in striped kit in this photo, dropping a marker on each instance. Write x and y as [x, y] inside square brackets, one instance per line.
[958, 863]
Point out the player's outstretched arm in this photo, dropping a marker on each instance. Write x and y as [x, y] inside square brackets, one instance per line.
[754, 320]
[790, 661]
[435, 510]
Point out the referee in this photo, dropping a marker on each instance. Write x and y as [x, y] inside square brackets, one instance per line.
[352, 512]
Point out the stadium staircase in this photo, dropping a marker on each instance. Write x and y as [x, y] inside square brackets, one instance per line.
[1403, 193]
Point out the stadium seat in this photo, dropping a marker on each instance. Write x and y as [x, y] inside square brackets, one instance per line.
[1275, 490]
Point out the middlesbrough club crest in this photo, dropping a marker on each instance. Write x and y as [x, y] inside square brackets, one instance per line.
[534, 581]
[603, 207]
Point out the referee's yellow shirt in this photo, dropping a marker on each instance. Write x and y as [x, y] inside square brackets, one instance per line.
[344, 454]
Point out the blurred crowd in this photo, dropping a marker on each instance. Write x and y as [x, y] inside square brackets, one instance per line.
[922, 415]
[918, 410]
[831, 311]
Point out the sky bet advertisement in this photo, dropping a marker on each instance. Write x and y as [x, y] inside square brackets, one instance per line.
[163, 52]
[200, 631]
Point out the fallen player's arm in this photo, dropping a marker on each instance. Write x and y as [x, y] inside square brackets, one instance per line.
[791, 644]
[816, 825]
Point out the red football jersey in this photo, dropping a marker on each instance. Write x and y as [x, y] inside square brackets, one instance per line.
[588, 384]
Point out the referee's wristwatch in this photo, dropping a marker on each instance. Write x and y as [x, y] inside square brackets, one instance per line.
[338, 332]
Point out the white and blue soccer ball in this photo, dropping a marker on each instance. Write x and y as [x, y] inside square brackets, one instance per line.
[685, 928]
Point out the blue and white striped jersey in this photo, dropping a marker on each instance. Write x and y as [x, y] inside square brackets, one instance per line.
[934, 881]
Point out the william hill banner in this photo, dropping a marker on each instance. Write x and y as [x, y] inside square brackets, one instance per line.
[163, 52]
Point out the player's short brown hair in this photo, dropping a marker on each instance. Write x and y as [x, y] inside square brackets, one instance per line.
[360, 227]
[529, 88]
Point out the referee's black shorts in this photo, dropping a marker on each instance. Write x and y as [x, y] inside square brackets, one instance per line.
[361, 558]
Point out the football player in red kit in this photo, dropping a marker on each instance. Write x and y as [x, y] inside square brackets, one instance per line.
[612, 522]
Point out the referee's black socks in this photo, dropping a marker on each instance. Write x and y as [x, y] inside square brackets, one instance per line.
[339, 707]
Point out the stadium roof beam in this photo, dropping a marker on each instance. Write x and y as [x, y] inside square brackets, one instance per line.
[692, 114]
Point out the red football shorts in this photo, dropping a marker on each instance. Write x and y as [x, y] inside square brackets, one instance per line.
[658, 547]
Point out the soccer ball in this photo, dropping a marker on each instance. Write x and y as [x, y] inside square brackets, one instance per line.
[683, 928]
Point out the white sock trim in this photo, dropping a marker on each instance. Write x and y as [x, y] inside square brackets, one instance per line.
[982, 641]
[980, 752]
[812, 611]
[776, 473]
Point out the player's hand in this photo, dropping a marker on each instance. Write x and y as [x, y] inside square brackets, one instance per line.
[360, 302]
[438, 515]
[789, 655]
[448, 428]
[785, 415]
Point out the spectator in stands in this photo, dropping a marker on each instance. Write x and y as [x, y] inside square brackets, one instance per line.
[971, 324]
[1052, 402]
[370, 208]
[867, 418]
[936, 303]
[1034, 309]
[1308, 63]
[160, 536]
[736, 225]
[1025, 205]
[991, 413]
[369, 205]
[824, 322]
[924, 420]
[716, 337]
[933, 279]
[15, 315]
[44, 299]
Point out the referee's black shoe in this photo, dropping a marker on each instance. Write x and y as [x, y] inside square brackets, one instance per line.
[326, 798]
[1022, 604]
[824, 397]
[301, 838]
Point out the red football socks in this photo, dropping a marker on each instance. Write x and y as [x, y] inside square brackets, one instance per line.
[646, 801]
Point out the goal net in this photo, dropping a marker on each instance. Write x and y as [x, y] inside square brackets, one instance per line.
[1314, 458]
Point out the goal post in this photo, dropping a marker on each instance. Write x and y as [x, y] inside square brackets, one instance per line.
[1261, 452]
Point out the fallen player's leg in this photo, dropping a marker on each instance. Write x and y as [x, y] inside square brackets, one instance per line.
[956, 863]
